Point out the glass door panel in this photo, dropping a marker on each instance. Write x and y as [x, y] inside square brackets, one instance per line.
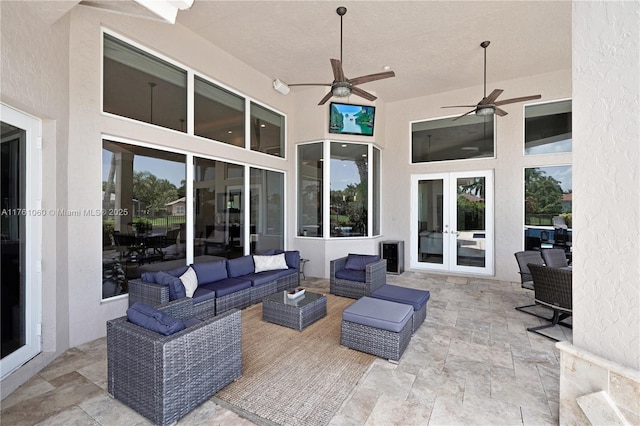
[452, 222]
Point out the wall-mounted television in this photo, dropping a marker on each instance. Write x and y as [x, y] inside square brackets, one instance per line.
[349, 119]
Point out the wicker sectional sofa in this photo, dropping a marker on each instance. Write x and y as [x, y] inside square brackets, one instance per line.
[221, 284]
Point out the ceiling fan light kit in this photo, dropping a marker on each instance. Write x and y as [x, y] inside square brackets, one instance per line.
[342, 86]
[488, 104]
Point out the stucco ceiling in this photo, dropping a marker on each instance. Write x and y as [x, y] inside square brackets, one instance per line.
[433, 46]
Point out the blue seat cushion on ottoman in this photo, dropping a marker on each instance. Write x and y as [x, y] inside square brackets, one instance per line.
[352, 275]
[228, 286]
[410, 296]
[378, 313]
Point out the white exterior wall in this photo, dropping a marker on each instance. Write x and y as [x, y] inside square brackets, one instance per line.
[508, 165]
[605, 354]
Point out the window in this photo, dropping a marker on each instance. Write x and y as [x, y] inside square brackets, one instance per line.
[267, 131]
[266, 210]
[143, 87]
[471, 136]
[349, 190]
[310, 188]
[547, 128]
[548, 194]
[143, 193]
[353, 192]
[218, 113]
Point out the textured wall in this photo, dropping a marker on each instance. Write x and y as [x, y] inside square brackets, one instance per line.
[606, 131]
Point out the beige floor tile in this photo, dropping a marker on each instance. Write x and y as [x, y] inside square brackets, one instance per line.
[390, 411]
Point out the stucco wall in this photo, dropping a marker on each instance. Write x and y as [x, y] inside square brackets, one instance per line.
[606, 70]
[508, 165]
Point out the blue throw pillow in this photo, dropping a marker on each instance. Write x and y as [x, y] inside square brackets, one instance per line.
[359, 262]
[148, 277]
[152, 319]
[176, 288]
[293, 258]
[178, 271]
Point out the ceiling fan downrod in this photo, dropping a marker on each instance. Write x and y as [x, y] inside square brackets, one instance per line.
[341, 11]
[484, 45]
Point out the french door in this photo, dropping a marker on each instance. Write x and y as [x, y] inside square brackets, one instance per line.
[452, 222]
[21, 226]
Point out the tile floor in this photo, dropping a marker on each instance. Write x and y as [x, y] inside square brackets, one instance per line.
[471, 362]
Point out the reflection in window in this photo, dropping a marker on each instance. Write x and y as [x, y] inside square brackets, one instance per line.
[218, 113]
[219, 205]
[471, 136]
[547, 128]
[143, 87]
[548, 193]
[471, 226]
[143, 201]
[349, 190]
[267, 131]
[266, 210]
[310, 161]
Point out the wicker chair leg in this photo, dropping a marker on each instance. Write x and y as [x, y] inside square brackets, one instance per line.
[522, 309]
[556, 320]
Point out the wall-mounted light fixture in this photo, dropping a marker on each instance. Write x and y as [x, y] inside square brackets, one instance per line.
[281, 86]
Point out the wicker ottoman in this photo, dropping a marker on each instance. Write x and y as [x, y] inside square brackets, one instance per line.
[378, 327]
[409, 296]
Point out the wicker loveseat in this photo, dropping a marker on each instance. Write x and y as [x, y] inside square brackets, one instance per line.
[357, 275]
[165, 377]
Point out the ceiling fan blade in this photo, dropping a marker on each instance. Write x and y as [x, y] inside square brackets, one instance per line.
[500, 112]
[491, 98]
[372, 77]
[466, 113]
[363, 94]
[338, 73]
[309, 84]
[326, 98]
[514, 100]
[459, 106]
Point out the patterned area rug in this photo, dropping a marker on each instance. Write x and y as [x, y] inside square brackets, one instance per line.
[292, 377]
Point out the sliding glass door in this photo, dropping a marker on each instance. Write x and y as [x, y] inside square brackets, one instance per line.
[452, 222]
[21, 236]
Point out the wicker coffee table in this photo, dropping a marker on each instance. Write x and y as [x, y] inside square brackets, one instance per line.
[295, 313]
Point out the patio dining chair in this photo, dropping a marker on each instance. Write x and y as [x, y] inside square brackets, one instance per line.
[552, 288]
[555, 258]
[524, 258]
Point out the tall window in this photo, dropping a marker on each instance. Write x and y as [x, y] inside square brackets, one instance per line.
[310, 187]
[547, 128]
[548, 195]
[266, 210]
[143, 195]
[143, 87]
[353, 192]
[471, 136]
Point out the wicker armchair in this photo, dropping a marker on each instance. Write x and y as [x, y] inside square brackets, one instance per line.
[553, 288]
[375, 277]
[555, 258]
[165, 377]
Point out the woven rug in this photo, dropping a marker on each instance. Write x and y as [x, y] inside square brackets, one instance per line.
[292, 377]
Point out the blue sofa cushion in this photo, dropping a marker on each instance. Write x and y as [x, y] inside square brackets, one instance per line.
[358, 262]
[228, 286]
[352, 275]
[262, 278]
[293, 258]
[240, 266]
[285, 272]
[203, 293]
[152, 319]
[176, 288]
[378, 313]
[209, 272]
[410, 296]
[178, 271]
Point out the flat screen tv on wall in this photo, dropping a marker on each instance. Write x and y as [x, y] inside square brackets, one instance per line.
[349, 119]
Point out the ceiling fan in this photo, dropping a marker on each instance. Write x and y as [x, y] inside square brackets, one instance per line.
[343, 86]
[488, 105]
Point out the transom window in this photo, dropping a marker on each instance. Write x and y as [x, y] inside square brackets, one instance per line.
[547, 128]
